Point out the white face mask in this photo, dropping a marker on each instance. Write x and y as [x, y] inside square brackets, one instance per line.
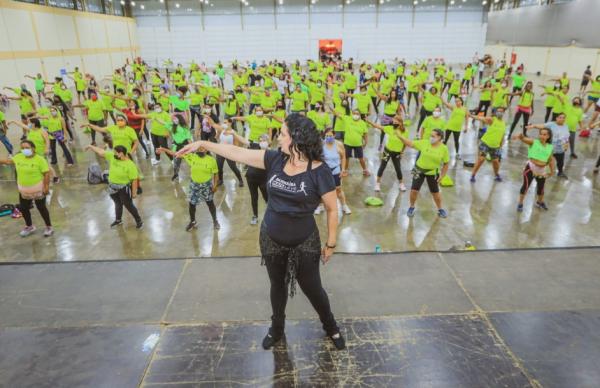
[225, 126]
[259, 113]
[437, 114]
[27, 151]
[176, 121]
[263, 145]
[356, 117]
[432, 140]
[54, 113]
[158, 110]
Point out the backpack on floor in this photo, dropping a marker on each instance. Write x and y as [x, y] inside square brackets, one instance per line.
[95, 174]
[6, 209]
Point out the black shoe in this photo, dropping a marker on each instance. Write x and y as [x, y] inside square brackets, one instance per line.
[56, 180]
[191, 226]
[139, 190]
[574, 156]
[174, 177]
[338, 341]
[241, 184]
[270, 340]
[147, 156]
[116, 223]
[216, 225]
[139, 224]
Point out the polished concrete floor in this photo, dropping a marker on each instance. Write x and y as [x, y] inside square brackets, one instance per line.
[467, 319]
[483, 213]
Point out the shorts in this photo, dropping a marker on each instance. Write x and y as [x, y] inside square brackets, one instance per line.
[337, 179]
[494, 153]
[200, 192]
[357, 151]
[431, 182]
[339, 136]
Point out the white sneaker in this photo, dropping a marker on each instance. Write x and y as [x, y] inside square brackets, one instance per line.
[377, 186]
[27, 231]
[154, 162]
[319, 210]
[346, 209]
[402, 186]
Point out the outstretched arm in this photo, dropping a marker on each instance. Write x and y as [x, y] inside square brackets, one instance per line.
[99, 151]
[254, 158]
[523, 138]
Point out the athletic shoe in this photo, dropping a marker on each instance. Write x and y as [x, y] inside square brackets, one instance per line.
[254, 220]
[190, 226]
[56, 180]
[498, 178]
[216, 225]
[154, 162]
[27, 231]
[366, 173]
[442, 213]
[48, 231]
[319, 209]
[472, 179]
[541, 205]
[402, 187]
[410, 212]
[574, 156]
[346, 209]
[458, 157]
[338, 341]
[377, 186]
[270, 340]
[241, 184]
[116, 223]
[562, 175]
[139, 224]
[520, 208]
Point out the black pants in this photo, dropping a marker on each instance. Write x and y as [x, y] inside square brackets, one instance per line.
[483, 107]
[195, 111]
[217, 108]
[528, 178]
[25, 209]
[516, 121]
[100, 123]
[177, 161]
[548, 112]
[455, 135]
[254, 186]
[432, 182]
[375, 104]
[395, 158]
[221, 161]
[65, 114]
[157, 142]
[211, 208]
[66, 152]
[598, 162]
[286, 265]
[411, 95]
[560, 162]
[572, 136]
[465, 83]
[141, 141]
[423, 114]
[123, 198]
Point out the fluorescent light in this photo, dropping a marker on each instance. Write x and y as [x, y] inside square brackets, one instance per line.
[133, 3]
[484, 2]
[142, 6]
[122, 2]
[415, 2]
[176, 5]
[452, 2]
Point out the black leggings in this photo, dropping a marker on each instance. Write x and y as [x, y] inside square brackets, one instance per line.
[285, 265]
[483, 107]
[465, 83]
[548, 112]
[455, 135]
[221, 161]
[211, 208]
[528, 178]
[516, 121]
[157, 142]
[141, 141]
[100, 123]
[572, 142]
[254, 186]
[375, 104]
[177, 161]
[424, 113]
[65, 150]
[560, 162]
[195, 111]
[25, 209]
[395, 158]
[411, 95]
[123, 198]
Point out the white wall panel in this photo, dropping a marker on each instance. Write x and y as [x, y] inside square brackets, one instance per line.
[27, 67]
[65, 27]
[8, 72]
[100, 35]
[18, 26]
[53, 66]
[4, 43]
[86, 32]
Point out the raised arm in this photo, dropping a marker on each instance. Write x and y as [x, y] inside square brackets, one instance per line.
[374, 125]
[99, 151]
[523, 138]
[254, 158]
[94, 127]
[407, 142]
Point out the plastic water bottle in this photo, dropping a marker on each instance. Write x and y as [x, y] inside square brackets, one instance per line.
[377, 248]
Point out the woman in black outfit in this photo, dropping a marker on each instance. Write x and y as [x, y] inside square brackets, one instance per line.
[297, 181]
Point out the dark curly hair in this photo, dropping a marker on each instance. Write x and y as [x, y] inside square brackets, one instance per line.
[306, 139]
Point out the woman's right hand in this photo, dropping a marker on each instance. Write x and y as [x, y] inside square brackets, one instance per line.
[188, 149]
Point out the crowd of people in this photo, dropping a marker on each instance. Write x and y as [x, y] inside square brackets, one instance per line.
[160, 111]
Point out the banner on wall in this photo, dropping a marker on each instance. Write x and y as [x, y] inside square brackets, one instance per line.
[330, 47]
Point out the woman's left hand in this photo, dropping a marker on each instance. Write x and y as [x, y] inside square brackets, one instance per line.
[326, 253]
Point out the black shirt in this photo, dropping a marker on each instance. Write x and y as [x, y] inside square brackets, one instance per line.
[293, 199]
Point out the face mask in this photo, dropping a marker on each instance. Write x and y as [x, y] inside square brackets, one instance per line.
[259, 113]
[117, 157]
[225, 126]
[29, 126]
[557, 85]
[499, 114]
[207, 110]
[432, 140]
[201, 154]
[63, 87]
[317, 107]
[175, 121]
[329, 139]
[158, 110]
[263, 145]
[504, 85]
[27, 151]
[229, 96]
[54, 113]
[356, 117]
[437, 114]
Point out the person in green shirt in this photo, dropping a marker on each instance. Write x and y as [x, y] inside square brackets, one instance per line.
[393, 150]
[55, 125]
[430, 100]
[593, 94]
[518, 79]
[456, 122]
[467, 77]
[120, 134]
[433, 153]
[232, 106]
[160, 129]
[432, 122]
[574, 121]
[259, 124]
[203, 183]
[95, 113]
[355, 139]
[561, 99]
[363, 101]
[299, 100]
[540, 157]
[33, 182]
[549, 91]
[485, 97]
[524, 107]
[40, 84]
[500, 96]
[123, 178]
[491, 142]
[320, 117]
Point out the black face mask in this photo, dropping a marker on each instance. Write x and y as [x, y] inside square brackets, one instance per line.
[201, 154]
[117, 157]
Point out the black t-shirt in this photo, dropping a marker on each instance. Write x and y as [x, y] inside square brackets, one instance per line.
[293, 199]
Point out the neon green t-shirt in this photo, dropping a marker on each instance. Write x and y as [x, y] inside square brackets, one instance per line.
[430, 123]
[202, 168]
[355, 130]
[494, 134]
[430, 157]
[125, 136]
[539, 151]
[457, 119]
[120, 172]
[95, 109]
[258, 127]
[30, 171]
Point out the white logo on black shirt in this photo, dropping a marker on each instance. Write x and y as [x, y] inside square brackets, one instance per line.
[287, 186]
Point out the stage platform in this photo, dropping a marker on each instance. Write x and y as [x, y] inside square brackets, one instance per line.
[512, 318]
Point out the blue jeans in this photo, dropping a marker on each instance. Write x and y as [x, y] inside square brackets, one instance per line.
[4, 140]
